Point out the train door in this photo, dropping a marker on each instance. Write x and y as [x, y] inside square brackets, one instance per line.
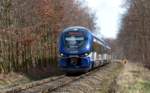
[96, 54]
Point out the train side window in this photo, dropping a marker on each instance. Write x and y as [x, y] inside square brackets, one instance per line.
[96, 48]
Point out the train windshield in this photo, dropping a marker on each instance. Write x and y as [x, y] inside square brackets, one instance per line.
[74, 40]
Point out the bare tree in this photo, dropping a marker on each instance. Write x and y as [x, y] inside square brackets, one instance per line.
[134, 36]
[29, 31]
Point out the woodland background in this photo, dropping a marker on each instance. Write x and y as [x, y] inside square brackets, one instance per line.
[134, 36]
[29, 31]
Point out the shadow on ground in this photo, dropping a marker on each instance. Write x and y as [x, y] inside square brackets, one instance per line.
[49, 70]
[44, 69]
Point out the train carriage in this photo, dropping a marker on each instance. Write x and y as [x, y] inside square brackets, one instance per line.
[80, 50]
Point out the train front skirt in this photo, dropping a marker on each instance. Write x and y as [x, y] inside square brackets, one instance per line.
[75, 64]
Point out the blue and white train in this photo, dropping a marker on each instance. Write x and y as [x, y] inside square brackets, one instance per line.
[80, 50]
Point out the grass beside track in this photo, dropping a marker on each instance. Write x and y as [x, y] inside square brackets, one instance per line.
[107, 83]
[133, 79]
[12, 79]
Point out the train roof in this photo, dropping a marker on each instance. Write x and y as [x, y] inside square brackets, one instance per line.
[74, 28]
[100, 40]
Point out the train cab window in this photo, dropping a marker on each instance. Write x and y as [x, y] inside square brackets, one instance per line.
[74, 40]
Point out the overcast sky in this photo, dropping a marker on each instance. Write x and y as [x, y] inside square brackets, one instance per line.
[108, 13]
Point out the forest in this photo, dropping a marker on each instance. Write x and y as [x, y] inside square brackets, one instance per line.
[29, 31]
[134, 36]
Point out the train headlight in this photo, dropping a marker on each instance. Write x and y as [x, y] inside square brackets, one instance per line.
[86, 54]
[61, 54]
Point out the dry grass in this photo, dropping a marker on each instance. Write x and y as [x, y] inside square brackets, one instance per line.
[134, 79]
[12, 79]
[107, 83]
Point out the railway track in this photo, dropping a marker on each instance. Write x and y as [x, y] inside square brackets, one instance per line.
[53, 84]
[19, 88]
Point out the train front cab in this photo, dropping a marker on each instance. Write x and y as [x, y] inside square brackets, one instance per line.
[74, 59]
[75, 64]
